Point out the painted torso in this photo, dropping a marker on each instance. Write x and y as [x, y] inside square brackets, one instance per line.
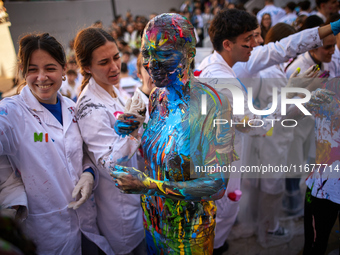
[166, 145]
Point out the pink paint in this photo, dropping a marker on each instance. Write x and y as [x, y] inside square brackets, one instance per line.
[117, 113]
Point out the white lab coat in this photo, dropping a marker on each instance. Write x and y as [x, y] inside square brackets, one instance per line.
[120, 216]
[273, 150]
[305, 137]
[214, 66]
[275, 53]
[50, 167]
[276, 13]
[323, 17]
[304, 61]
[334, 65]
[12, 190]
[288, 18]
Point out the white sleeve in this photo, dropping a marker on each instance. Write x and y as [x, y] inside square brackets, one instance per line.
[276, 53]
[97, 129]
[240, 121]
[12, 126]
[12, 190]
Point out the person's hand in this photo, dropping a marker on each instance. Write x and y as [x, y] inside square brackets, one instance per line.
[335, 26]
[297, 80]
[126, 124]
[130, 180]
[319, 82]
[319, 97]
[82, 190]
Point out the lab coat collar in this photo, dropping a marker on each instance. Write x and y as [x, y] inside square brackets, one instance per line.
[35, 106]
[323, 67]
[104, 95]
[214, 59]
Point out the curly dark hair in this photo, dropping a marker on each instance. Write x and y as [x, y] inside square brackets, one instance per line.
[229, 24]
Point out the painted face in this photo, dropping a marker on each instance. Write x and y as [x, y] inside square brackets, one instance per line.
[44, 76]
[163, 60]
[324, 53]
[243, 46]
[105, 65]
[146, 79]
[257, 36]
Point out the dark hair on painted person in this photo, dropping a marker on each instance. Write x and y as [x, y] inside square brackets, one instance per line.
[86, 41]
[279, 31]
[229, 24]
[32, 42]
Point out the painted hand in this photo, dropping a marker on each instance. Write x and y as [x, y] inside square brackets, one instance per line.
[320, 96]
[83, 189]
[126, 124]
[130, 180]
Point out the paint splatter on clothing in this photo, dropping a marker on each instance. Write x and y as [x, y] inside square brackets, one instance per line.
[325, 183]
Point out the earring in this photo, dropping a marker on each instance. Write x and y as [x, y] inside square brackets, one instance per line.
[140, 80]
[64, 78]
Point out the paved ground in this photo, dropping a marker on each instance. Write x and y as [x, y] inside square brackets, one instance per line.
[292, 246]
[249, 246]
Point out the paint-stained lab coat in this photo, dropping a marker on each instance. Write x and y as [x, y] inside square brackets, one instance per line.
[273, 150]
[49, 158]
[304, 61]
[12, 190]
[275, 53]
[215, 67]
[120, 216]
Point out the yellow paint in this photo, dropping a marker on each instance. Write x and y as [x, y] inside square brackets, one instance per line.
[270, 132]
[162, 41]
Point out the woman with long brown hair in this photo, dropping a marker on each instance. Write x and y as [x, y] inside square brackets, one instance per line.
[98, 108]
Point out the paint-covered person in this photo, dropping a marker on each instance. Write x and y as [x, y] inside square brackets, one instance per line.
[322, 201]
[179, 212]
[40, 136]
[98, 107]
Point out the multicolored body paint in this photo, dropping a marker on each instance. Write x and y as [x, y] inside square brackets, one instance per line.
[176, 136]
[179, 212]
[325, 183]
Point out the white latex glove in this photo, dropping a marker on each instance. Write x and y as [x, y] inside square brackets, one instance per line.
[304, 79]
[136, 106]
[82, 190]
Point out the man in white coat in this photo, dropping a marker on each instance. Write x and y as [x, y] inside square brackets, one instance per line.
[231, 47]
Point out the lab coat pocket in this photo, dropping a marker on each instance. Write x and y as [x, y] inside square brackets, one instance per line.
[49, 231]
[227, 208]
